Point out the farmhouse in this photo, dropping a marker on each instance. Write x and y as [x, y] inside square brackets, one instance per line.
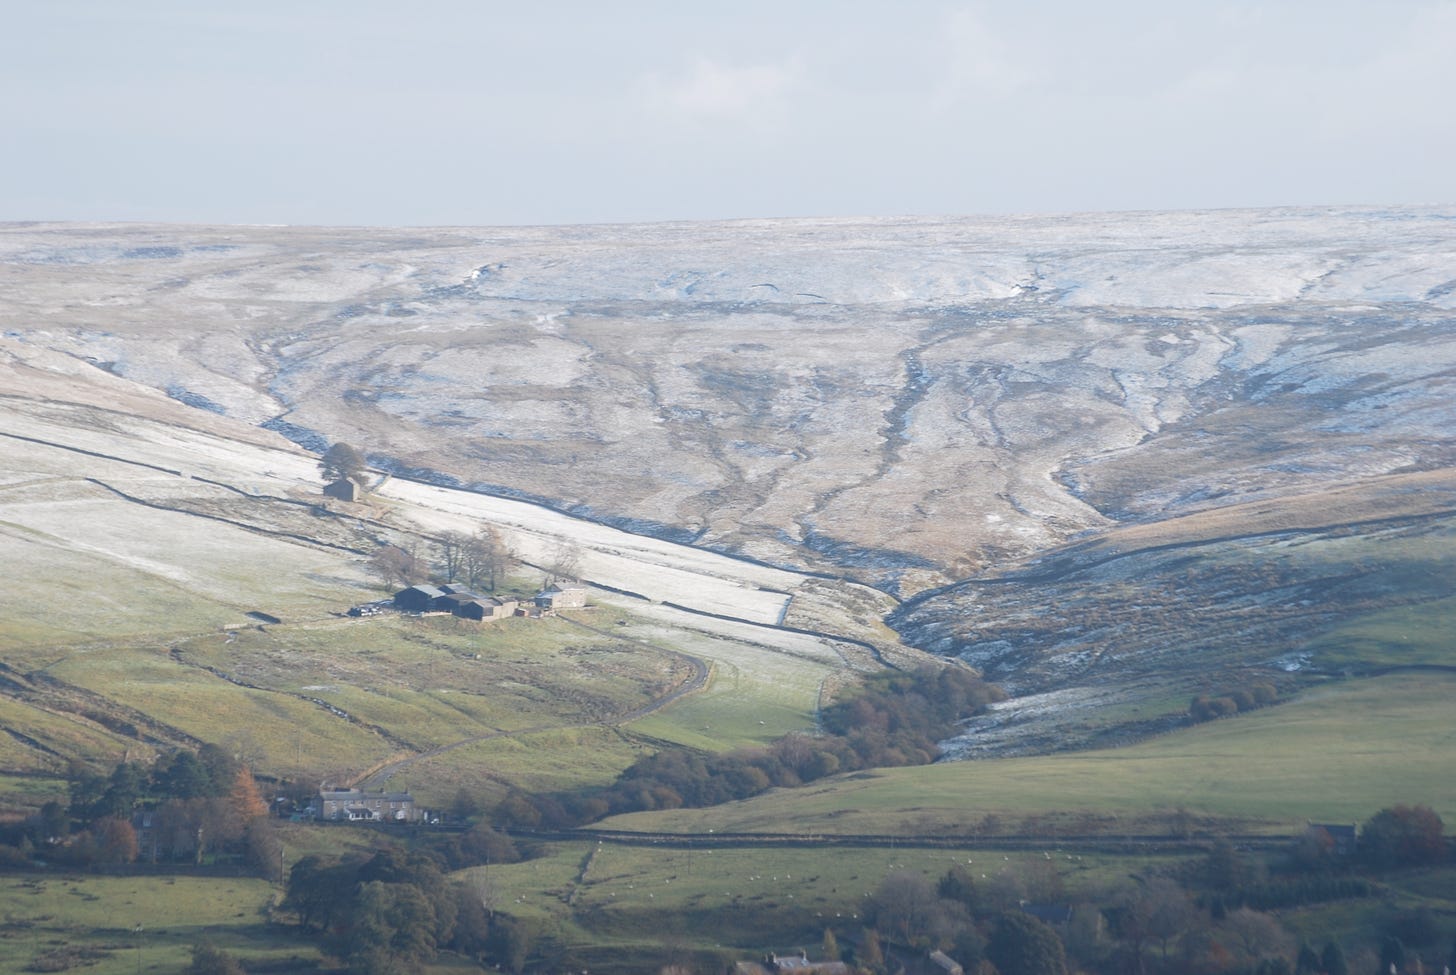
[417, 599]
[945, 963]
[357, 806]
[1337, 838]
[561, 597]
[798, 964]
[344, 489]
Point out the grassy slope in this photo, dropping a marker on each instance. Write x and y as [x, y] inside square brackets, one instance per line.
[1396, 637]
[44, 913]
[1337, 754]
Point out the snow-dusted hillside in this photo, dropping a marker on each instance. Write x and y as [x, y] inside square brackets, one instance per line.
[907, 400]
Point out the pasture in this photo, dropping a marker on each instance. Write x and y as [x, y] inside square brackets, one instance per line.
[122, 925]
[1338, 753]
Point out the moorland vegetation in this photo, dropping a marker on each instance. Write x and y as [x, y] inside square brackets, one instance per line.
[1181, 484]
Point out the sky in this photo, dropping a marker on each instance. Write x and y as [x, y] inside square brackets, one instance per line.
[487, 113]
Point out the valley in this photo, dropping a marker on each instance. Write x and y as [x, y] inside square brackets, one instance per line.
[1114, 463]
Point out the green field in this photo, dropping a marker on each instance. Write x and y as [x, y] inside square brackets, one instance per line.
[1398, 637]
[1336, 754]
[167, 648]
[740, 901]
[101, 915]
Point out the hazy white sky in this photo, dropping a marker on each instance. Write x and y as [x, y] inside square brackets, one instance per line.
[484, 112]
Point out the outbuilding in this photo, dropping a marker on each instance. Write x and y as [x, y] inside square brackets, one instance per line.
[344, 489]
[486, 608]
[417, 599]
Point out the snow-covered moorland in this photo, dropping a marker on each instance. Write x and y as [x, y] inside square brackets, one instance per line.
[904, 400]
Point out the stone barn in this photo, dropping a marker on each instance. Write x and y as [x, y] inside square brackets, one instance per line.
[344, 489]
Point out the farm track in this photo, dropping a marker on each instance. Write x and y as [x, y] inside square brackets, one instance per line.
[396, 741]
[122, 720]
[378, 778]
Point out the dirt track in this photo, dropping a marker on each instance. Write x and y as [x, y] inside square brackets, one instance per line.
[378, 778]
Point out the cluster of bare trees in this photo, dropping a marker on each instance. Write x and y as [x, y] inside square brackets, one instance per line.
[480, 561]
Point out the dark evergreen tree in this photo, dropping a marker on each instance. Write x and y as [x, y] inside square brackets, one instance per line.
[124, 789]
[1332, 960]
[183, 776]
[1392, 954]
[511, 942]
[222, 768]
[393, 928]
[208, 959]
[1022, 945]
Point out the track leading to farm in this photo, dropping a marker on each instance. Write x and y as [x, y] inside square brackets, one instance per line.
[697, 679]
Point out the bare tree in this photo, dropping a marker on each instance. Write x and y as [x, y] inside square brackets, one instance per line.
[484, 888]
[453, 547]
[1157, 911]
[564, 562]
[393, 565]
[904, 904]
[1254, 935]
[486, 558]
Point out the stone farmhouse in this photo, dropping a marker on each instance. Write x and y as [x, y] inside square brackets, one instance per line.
[799, 964]
[557, 596]
[356, 806]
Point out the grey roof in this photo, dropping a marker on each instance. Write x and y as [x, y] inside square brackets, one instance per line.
[353, 795]
[461, 596]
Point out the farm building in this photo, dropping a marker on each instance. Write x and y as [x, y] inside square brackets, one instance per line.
[1337, 838]
[799, 964]
[561, 597]
[344, 489]
[486, 608]
[945, 963]
[356, 806]
[417, 599]
[451, 601]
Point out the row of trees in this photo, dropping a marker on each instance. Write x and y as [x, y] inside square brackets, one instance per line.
[210, 771]
[1206, 707]
[188, 804]
[394, 911]
[480, 560]
[1161, 922]
[896, 719]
